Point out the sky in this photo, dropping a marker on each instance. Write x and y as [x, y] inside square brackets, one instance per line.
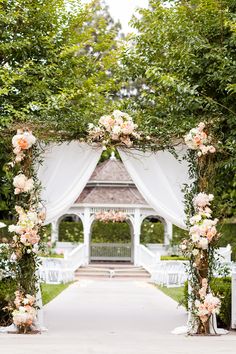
[124, 9]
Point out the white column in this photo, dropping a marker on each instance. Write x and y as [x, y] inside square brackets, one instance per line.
[168, 232]
[137, 231]
[233, 306]
[54, 231]
[87, 227]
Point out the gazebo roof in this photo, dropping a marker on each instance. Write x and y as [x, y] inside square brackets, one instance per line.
[111, 170]
[110, 183]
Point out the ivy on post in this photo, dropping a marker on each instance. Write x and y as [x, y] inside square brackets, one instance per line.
[202, 230]
[26, 237]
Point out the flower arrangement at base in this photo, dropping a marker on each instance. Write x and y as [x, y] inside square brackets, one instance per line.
[197, 139]
[206, 305]
[117, 128]
[111, 215]
[25, 313]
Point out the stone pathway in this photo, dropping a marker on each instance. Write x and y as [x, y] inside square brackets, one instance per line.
[114, 317]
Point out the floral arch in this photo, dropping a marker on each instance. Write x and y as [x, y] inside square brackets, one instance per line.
[117, 131]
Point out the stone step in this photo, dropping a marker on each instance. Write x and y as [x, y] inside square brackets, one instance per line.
[117, 270]
[112, 265]
[105, 275]
[112, 272]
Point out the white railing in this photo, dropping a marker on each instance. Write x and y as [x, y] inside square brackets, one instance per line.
[110, 251]
[76, 258]
[61, 270]
[147, 259]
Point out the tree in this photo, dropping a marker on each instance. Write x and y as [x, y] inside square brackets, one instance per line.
[57, 64]
[181, 69]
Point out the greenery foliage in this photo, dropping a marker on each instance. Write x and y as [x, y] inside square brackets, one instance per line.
[7, 288]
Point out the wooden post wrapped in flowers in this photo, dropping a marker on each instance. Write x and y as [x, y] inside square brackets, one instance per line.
[25, 240]
[202, 235]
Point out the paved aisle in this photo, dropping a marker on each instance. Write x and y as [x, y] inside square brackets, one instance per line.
[114, 317]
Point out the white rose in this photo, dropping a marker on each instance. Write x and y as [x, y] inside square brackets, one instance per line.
[32, 216]
[14, 228]
[22, 183]
[30, 138]
[203, 243]
[116, 130]
[117, 114]
[29, 185]
[195, 237]
[195, 252]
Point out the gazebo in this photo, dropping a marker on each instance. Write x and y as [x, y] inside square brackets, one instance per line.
[110, 187]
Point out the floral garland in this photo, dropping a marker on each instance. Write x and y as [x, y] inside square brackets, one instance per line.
[29, 219]
[111, 215]
[197, 139]
[203, 236]
[115, 128]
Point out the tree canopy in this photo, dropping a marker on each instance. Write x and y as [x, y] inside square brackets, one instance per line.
[57, 64]
[179, 69]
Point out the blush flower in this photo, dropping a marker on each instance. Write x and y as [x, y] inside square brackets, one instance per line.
[22, 184]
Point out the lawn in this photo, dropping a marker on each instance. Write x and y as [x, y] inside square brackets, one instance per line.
[50, 291]
[176, 294]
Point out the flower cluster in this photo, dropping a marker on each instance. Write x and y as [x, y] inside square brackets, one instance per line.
[26, 229]
[25, 313]
[111, 215]
[207, 304]
[22, 184]
[203, 227]
[22, 141]
[197, 139]
[117, 127]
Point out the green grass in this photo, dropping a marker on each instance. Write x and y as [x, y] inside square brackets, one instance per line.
[50, 291]
[176, 294]
[174, 258]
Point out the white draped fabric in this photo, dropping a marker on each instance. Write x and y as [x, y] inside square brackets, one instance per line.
[64, 173]
[159, 177]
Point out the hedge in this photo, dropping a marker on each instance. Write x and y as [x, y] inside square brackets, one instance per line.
[7, 288]
[111, 232]
[220, 287]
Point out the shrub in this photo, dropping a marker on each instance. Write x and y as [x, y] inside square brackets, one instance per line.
[152, 232]
[7, 288]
